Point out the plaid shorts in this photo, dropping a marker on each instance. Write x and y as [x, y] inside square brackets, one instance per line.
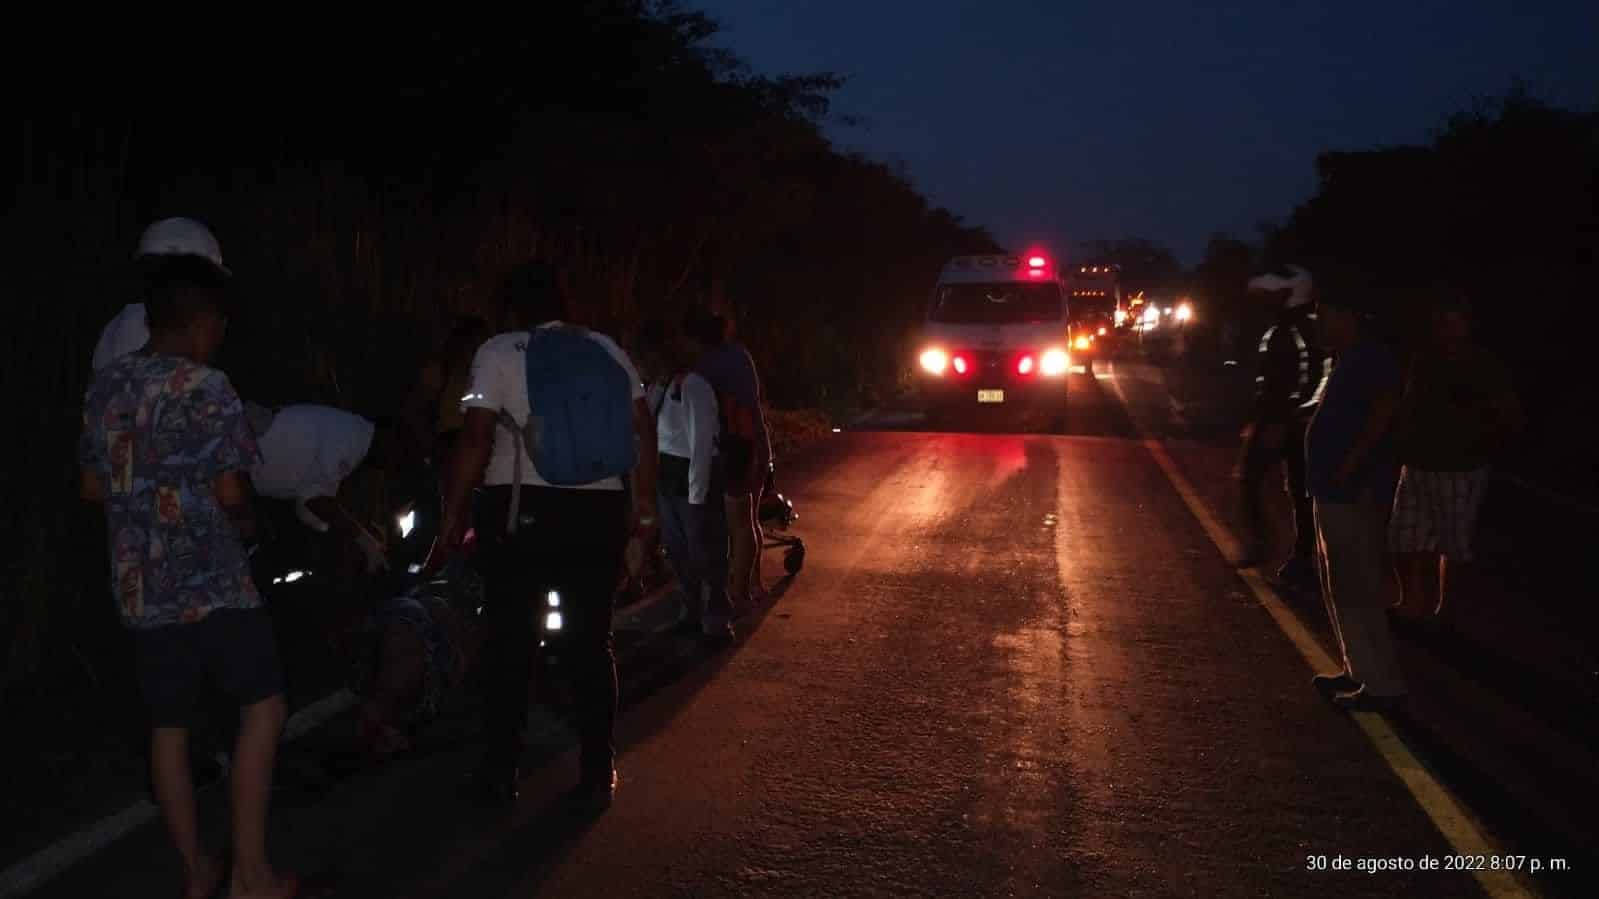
[1436, 512]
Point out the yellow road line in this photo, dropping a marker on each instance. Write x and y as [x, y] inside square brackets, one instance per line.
[1458, 826]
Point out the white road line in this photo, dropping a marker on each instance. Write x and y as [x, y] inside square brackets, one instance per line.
[1458, 825]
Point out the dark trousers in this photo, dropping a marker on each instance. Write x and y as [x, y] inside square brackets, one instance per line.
[696, 542]
[1258, 461]
[570, 542]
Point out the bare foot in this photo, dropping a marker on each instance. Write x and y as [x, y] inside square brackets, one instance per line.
[205, 879]
[281, 887]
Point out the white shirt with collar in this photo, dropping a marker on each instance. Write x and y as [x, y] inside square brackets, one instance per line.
[499, 381]
[687, 427]
[309, 450]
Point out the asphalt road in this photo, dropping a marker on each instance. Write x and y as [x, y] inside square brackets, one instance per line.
[1014, 664]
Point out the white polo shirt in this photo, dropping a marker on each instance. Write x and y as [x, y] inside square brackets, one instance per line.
[126, 333]
[309, 450]
[499, 381]
[686, 426]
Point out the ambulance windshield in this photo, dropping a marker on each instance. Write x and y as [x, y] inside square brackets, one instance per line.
[1011, 303]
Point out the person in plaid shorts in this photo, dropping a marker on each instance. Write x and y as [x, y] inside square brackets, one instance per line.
[1459, 407]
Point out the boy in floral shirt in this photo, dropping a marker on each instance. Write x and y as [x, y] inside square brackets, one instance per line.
[167, 449]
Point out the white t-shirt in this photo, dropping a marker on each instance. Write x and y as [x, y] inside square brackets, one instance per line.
[126, 333]
[499, 381]
[687, 427]
[309, 450]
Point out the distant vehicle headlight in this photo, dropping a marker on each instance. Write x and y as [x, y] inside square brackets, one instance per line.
[1055, 362]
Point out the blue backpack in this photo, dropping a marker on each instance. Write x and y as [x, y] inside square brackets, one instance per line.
[581, 428]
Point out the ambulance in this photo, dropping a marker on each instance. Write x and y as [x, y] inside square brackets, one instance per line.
[997, 334]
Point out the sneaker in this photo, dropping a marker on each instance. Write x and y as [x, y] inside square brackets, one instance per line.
[596, 789]
[1330, 685]
[1362, 700]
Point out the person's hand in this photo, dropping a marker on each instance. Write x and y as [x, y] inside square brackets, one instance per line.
[646, 522]
[633, 557]
[452, 529]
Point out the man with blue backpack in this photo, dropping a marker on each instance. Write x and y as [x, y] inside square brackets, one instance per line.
[555, 419]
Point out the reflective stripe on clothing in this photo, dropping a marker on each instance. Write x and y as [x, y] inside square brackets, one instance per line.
[1302, 349]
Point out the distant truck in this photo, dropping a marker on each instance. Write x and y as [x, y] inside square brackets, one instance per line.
[1097, 311]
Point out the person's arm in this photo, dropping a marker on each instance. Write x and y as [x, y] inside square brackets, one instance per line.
[90, 457]
[1372, 432]
[702, 425]
[486, 395]
[90, 487]
[644, 511]
[236, 452]
[472, 450]
[1375, 428]
[237, 500]
[345, 526]
[643, 479]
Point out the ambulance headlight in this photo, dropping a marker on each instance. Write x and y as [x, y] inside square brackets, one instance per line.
[1055, 362]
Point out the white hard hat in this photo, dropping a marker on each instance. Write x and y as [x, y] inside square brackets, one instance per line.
[1297, 283]
[181, 237]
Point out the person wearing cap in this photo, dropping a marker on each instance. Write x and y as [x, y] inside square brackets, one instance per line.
[128, 331]
[1349, 460]
[166, 451]
[1290, 368]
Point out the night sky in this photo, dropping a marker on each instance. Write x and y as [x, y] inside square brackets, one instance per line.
[1061, 121]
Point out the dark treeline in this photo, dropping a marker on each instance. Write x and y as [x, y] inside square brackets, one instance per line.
[1502, 205]
[369, 185]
